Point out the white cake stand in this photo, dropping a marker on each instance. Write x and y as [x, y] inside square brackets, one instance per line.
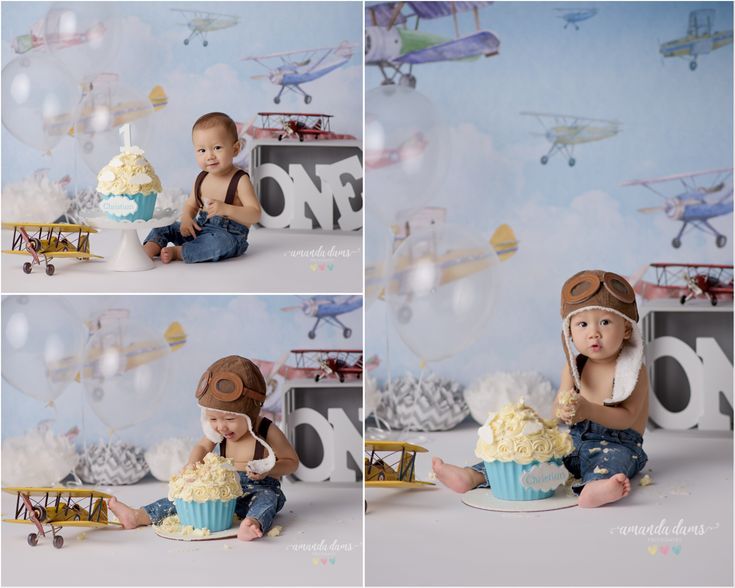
[130, 255]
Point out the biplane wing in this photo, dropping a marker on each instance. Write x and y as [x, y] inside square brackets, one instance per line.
[59, 254]
[65, 227]
[465, 48]
[375, 445]
[387, 14]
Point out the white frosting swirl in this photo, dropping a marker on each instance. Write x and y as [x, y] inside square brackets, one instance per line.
[517, 433]
[128, 173]
[214, 479]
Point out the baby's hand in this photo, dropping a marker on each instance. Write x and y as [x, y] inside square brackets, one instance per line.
[567, 405]
[189, 227]
[216, 208]
[253, 476]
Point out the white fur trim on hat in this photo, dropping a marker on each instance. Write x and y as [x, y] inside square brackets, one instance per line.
[629, 361]
[258, 466]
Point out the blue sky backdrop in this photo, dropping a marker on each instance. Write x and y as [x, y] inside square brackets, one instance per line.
[567, 219]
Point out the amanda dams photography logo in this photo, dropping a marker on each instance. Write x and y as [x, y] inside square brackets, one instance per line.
[323, 259]
[324, 553]
[664, 538]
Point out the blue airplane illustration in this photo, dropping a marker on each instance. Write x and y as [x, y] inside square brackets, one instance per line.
[697, 204]
[572, 16]
[327, 309]
[301, 66]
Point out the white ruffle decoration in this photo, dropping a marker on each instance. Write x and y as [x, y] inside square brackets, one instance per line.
[493, 391]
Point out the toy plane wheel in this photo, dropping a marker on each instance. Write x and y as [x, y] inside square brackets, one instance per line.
[572, 161]
[692, 65]
[307, 99]
[311, 334]
[713, 301]
[58, 542]
[721, 241]
[683, 299]
[27, 267]
[277, 100]
[205, 43]
[676, 243]
[50, 269]
[347, 333]
[32, 539]
[186, 41]
[544, 160]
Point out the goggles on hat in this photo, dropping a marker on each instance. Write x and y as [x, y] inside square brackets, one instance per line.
[227, 387]
[584, 286]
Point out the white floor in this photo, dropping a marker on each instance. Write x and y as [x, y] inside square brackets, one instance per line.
[277, 260]
[320, 545]
[428, 537]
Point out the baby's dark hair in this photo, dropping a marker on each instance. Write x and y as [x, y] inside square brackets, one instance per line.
[213, 119]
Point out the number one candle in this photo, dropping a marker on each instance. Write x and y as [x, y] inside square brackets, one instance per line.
[125, 133]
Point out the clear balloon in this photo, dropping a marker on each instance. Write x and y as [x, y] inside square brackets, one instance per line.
[84, 36]
[39, 99]
[124, 372]
[378, 243]
[440, 290]
[42, 343]
[103, 110]
[406, 150]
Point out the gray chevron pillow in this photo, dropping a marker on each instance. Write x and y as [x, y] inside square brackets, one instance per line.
[115, 464]
[437, 405]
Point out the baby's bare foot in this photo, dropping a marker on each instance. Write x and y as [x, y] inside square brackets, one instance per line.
[249, 530]
[128, 517]
[602, 492]
[169, 254]
[456, 478]
[152, 249]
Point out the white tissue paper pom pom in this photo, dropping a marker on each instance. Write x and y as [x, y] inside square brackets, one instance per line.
[35, 198]
[38, 458]
[437, 405]
[168, 457]
[493, 391]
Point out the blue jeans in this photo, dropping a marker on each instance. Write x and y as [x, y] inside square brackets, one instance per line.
[219, 238]
[261, 501]
[480, 467]
[600, 453]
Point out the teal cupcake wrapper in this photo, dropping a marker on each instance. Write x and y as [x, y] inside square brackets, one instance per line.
[505, 480]
[146, 205]
[215, 515]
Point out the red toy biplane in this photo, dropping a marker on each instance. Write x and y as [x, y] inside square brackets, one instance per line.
[325, 363]
[687, 281]
[295, 125]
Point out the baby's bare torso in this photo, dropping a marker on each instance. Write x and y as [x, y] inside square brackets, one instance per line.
[242, 451]
[597, 386]
[214, 187]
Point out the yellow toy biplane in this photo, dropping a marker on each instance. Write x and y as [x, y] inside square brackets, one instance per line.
[391, 464]
[45, 241]
[57, 508]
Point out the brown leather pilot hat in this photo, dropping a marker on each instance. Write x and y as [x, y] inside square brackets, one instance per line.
[598, 289]
[232, 384]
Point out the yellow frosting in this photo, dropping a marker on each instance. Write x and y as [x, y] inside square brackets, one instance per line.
[215, 479]
[128, 173]
[518, 434]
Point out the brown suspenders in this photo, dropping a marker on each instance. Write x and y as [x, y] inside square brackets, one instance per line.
[231, 189]
[262, 433]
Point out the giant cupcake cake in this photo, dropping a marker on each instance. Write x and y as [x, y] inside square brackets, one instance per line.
[128, 186]
[522, 453]
[205, 493]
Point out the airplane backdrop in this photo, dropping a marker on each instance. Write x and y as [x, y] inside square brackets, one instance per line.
[194, 79]
[206, 328]
[662, 118]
